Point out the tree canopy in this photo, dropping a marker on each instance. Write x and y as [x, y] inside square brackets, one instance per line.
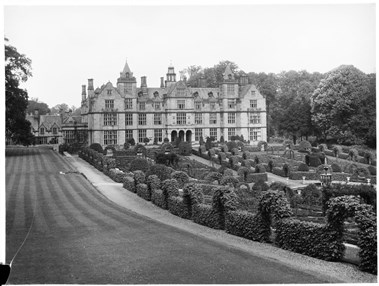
[34, 104]
[343, 106]
[17, 70]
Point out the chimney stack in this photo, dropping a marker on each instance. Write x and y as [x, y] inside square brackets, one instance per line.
[162, 82]
[90, 88]
[202, 82]
[243, 80]
[36, 113]
[84, 92]
[143, 84]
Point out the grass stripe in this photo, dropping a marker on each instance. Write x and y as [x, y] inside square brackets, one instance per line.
[40, 222]
[89, 212]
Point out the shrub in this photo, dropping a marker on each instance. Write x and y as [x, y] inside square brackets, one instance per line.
[153, 182]
[336, 168]
[97, 147]
[372, 170]
[181, 178]
[304, 146]
[270, 165]
[278, 171]
[213, 176]
[313, 159]
[303, 167]
[139, 177]
[264, 143]
[260, 186]
[170, 187]
[143, 191]
[162, 171]
[255, 177]
[312, 195]
[193, 193]
[337, 150]
[224, 148]
[159, 199]
[109, 147]
[243, 172]
[366, 192]
[278, 186]
[350, 168]
[128, 183]
[353, 154]
[361, 172]
[139, 164]
[178, 207]
[231, 145]
[286, 170]
[307, 175]
[229, 180]
[323, 148]
[185, 148]
[205, 215]
[131, 141]
[259, 168]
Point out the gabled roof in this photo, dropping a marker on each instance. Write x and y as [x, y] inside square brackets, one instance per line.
[245, 90]
[49, 120]
[227, 73]
[204, 92]
[72, 119]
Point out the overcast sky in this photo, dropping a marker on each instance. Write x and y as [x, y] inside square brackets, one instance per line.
[70, 44]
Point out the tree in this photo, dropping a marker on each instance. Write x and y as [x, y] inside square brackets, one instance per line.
[34, 104]
[17, 70]
[341, 105]
[60, 109]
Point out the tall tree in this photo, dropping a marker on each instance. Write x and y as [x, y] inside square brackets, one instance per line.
[60, 109]
[342, 105]
[34, 103]
[17, 70]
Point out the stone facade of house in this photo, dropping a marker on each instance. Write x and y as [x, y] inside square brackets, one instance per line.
[117, 113]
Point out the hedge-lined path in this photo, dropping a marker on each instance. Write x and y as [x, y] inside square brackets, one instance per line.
[80, 236]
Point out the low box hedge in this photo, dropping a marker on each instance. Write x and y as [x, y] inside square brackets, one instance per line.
[278, 171]
[205, 215]
[307, 175]
[179, 207]
[158, 199]
[343, 156]
[255, 177]
[143, 192]
[309, 238]
[246, 224]
[341, 177]
[329, 153]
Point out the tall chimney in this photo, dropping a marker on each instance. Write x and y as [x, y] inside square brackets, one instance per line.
[162, 82]
[90, 88]
[143, 84]
[84, 92]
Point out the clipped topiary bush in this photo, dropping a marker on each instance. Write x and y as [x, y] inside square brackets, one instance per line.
[181, 178]
[97, 147]
[304, 146]
[170, 187]
[139, 177]
[229, 181]
[336, 168]
[158, 199]
[303, 167]
[128, 183]
[185, 148]
[260, 186]
[143, 191]
[353, 154]
[259, 168]
[139, 164]
[213, 176]
[162, 171]
[153, 182]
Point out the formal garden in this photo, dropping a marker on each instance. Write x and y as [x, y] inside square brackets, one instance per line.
[236, 197]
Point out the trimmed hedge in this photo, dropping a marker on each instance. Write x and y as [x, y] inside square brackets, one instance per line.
[247, 225]
[303, 167]
[205, 215]
[158, 199]
[308, 238]
[178, 206]
[139, 164]
[181, 177]
[307, 175]
[128, 183]
[278, 171]
[366, 192]
[153, 182]
[143, 192]
[256, 177]
[162, 171]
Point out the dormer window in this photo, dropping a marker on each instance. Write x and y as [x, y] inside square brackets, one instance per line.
[42, 131]
[55, 130]
[127, 75]
[210, 94]
[156, 94]
[140, 94]
[196, 94]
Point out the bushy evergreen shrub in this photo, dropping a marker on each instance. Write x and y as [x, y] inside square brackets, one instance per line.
[143, 191]
[185, 148]
[158, 199]
[97, 147]
[304, 146]
[153, 182]
[336, 168]
[139, 177]
[139, 164]
[303, 168]
[128, 183]
[213, 176]
[162, 171]
[229, 180]
[181, 177]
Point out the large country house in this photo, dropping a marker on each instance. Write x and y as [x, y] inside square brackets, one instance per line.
[117, 113]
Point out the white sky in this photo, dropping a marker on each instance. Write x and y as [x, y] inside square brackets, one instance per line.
[69, 44]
